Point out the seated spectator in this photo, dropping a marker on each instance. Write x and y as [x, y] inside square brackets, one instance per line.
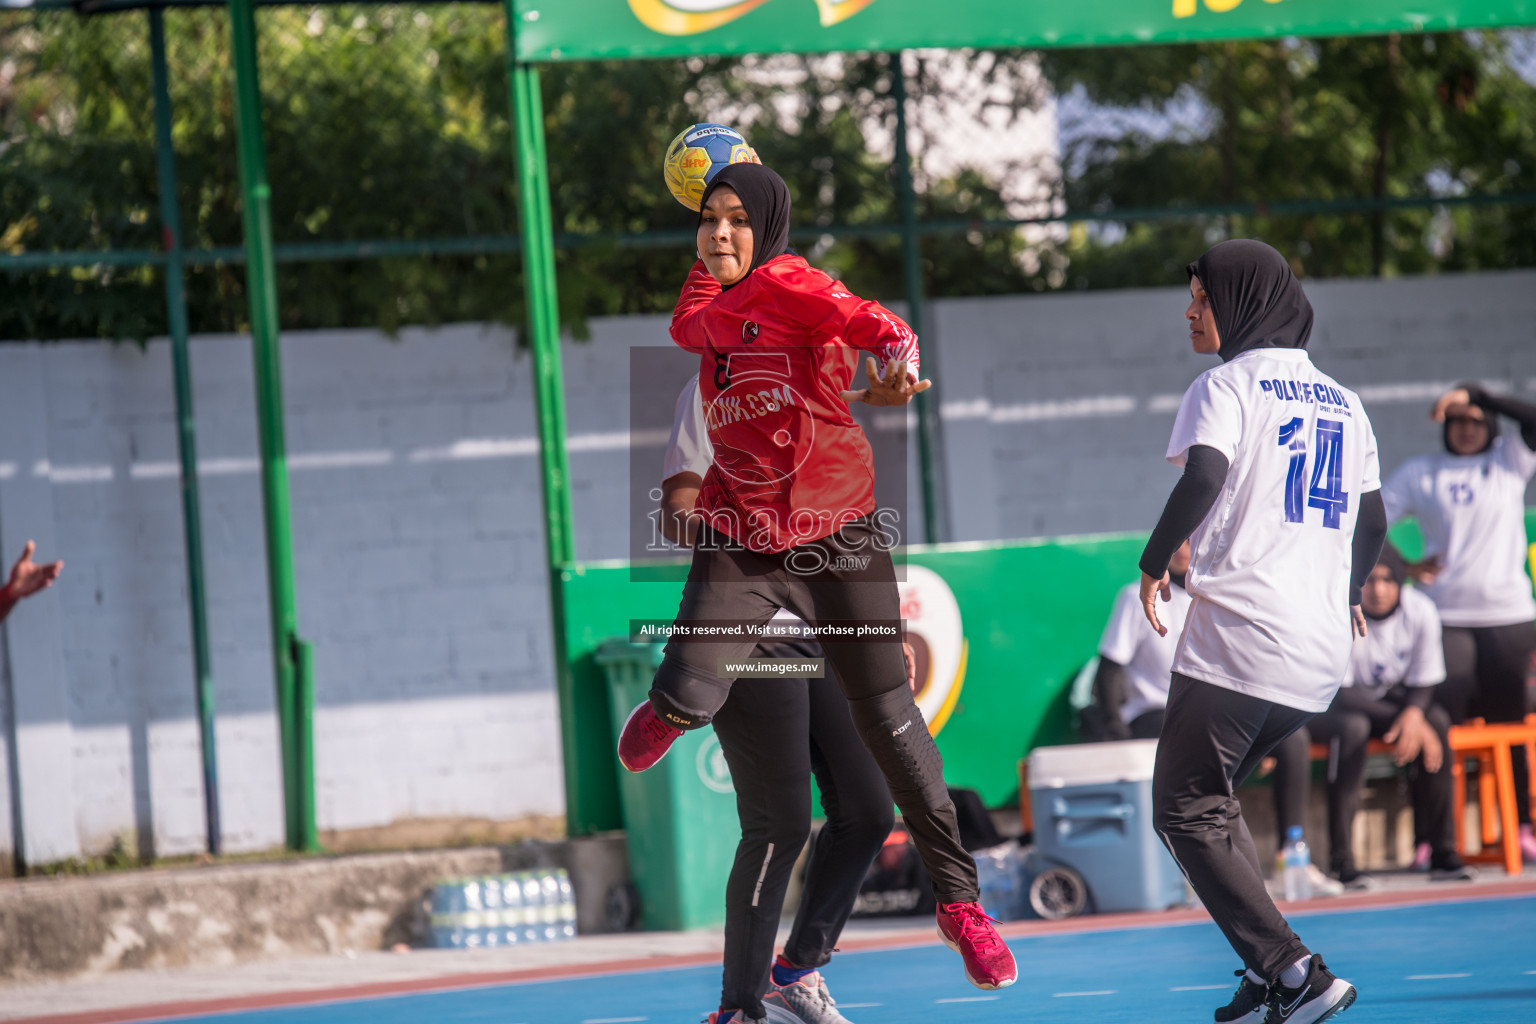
[1389, 695]
[1130, 690]
[27, 578]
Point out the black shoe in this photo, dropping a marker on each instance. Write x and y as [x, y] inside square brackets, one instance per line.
[1449, 867]
[1318, 998]
[1247, 1005]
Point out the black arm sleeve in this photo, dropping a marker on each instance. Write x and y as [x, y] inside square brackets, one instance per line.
[1205, 470]
[1418, 697]
[1523, 413]
[1370, 533]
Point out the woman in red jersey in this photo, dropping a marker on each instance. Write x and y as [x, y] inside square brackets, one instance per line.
[786, 518]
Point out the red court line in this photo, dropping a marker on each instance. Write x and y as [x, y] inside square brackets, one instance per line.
[897, 940]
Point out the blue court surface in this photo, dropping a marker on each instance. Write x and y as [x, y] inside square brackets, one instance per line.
[1443, 963]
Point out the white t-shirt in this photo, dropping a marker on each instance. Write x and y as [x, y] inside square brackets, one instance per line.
[1403, 648]
[1130, 640]
[689, 451]
[1269, 568]
[1471, 511]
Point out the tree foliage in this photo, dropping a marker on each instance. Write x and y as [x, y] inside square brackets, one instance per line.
[391, 122]
[1288, 120]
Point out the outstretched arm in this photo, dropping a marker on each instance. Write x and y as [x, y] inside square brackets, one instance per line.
[27, 578]
[1205, 471]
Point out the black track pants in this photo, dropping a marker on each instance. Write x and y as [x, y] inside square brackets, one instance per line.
[1354, 719]
[775, 733]
[1212, 739]
[845, 579]
[1485, 669]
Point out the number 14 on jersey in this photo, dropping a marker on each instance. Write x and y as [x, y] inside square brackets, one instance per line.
[1325, 490]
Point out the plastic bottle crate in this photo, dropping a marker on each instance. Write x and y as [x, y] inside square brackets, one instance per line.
[488, 911]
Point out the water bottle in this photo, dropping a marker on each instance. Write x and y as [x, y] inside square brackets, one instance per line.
[533, 907]
[1298, 862]
[567, 925]
[473, 918]
[444, 915]
[512, 921]
[490, 900]
[549, 918]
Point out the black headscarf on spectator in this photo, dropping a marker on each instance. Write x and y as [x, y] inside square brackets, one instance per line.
[1256, 299]
[1397, 565]
[1476, 393]
[765, 197]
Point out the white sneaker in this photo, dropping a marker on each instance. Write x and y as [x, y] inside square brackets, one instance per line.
[1322, 885]
[809, 999]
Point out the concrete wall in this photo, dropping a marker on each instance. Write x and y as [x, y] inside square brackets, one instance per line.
[419, 551]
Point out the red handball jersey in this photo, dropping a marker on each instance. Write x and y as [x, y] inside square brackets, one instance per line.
[791, 464]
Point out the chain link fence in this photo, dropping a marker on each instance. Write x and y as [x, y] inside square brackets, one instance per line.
[390, 156]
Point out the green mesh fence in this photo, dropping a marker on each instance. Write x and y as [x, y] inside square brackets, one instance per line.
[394, 191]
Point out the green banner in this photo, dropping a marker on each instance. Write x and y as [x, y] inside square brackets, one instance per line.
[550, 30]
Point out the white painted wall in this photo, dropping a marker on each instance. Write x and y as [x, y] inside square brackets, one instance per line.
[419, 548]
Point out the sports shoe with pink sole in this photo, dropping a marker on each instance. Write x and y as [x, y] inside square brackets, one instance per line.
[645, 738]
[966, 929]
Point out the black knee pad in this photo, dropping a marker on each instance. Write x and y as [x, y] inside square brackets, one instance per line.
[906, 754]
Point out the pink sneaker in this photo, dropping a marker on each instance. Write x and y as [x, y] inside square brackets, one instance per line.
[1421, 855]
[645, 738]
[966, 929]
[1528, 844]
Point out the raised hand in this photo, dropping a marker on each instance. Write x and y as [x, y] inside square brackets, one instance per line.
[27, 578]
[895, 388]
[1453, 398]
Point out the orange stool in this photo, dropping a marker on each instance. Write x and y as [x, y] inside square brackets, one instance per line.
[1491, 745]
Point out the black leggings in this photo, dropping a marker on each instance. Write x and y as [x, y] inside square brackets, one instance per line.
[1485, 670]
[775, 733]
[1213, 738]
[1348, 726]
[844, 580]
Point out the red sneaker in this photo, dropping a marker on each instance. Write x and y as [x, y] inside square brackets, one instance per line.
[966, 929]
[645, 739]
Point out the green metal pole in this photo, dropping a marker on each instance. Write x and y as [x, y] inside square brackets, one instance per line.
[591, 792]
[304, 683]
[261, 289]
[186, 426]
[930, 454]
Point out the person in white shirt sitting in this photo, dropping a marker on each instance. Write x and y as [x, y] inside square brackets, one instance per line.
[1130, 687]
[1393, 674]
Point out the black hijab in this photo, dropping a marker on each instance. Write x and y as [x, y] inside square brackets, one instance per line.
[1395, 564]
[1489, 415]
[1257, 301]
[765, 197]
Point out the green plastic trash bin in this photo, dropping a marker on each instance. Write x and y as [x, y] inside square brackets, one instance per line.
[680, 816]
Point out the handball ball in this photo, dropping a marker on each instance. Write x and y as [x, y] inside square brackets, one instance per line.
[696, 156]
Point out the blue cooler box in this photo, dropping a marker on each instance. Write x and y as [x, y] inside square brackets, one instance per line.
[1092, 811]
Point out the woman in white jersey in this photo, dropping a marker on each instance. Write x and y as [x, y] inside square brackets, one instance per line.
[1389, 695]
[1281, 502]
[1470, 505]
